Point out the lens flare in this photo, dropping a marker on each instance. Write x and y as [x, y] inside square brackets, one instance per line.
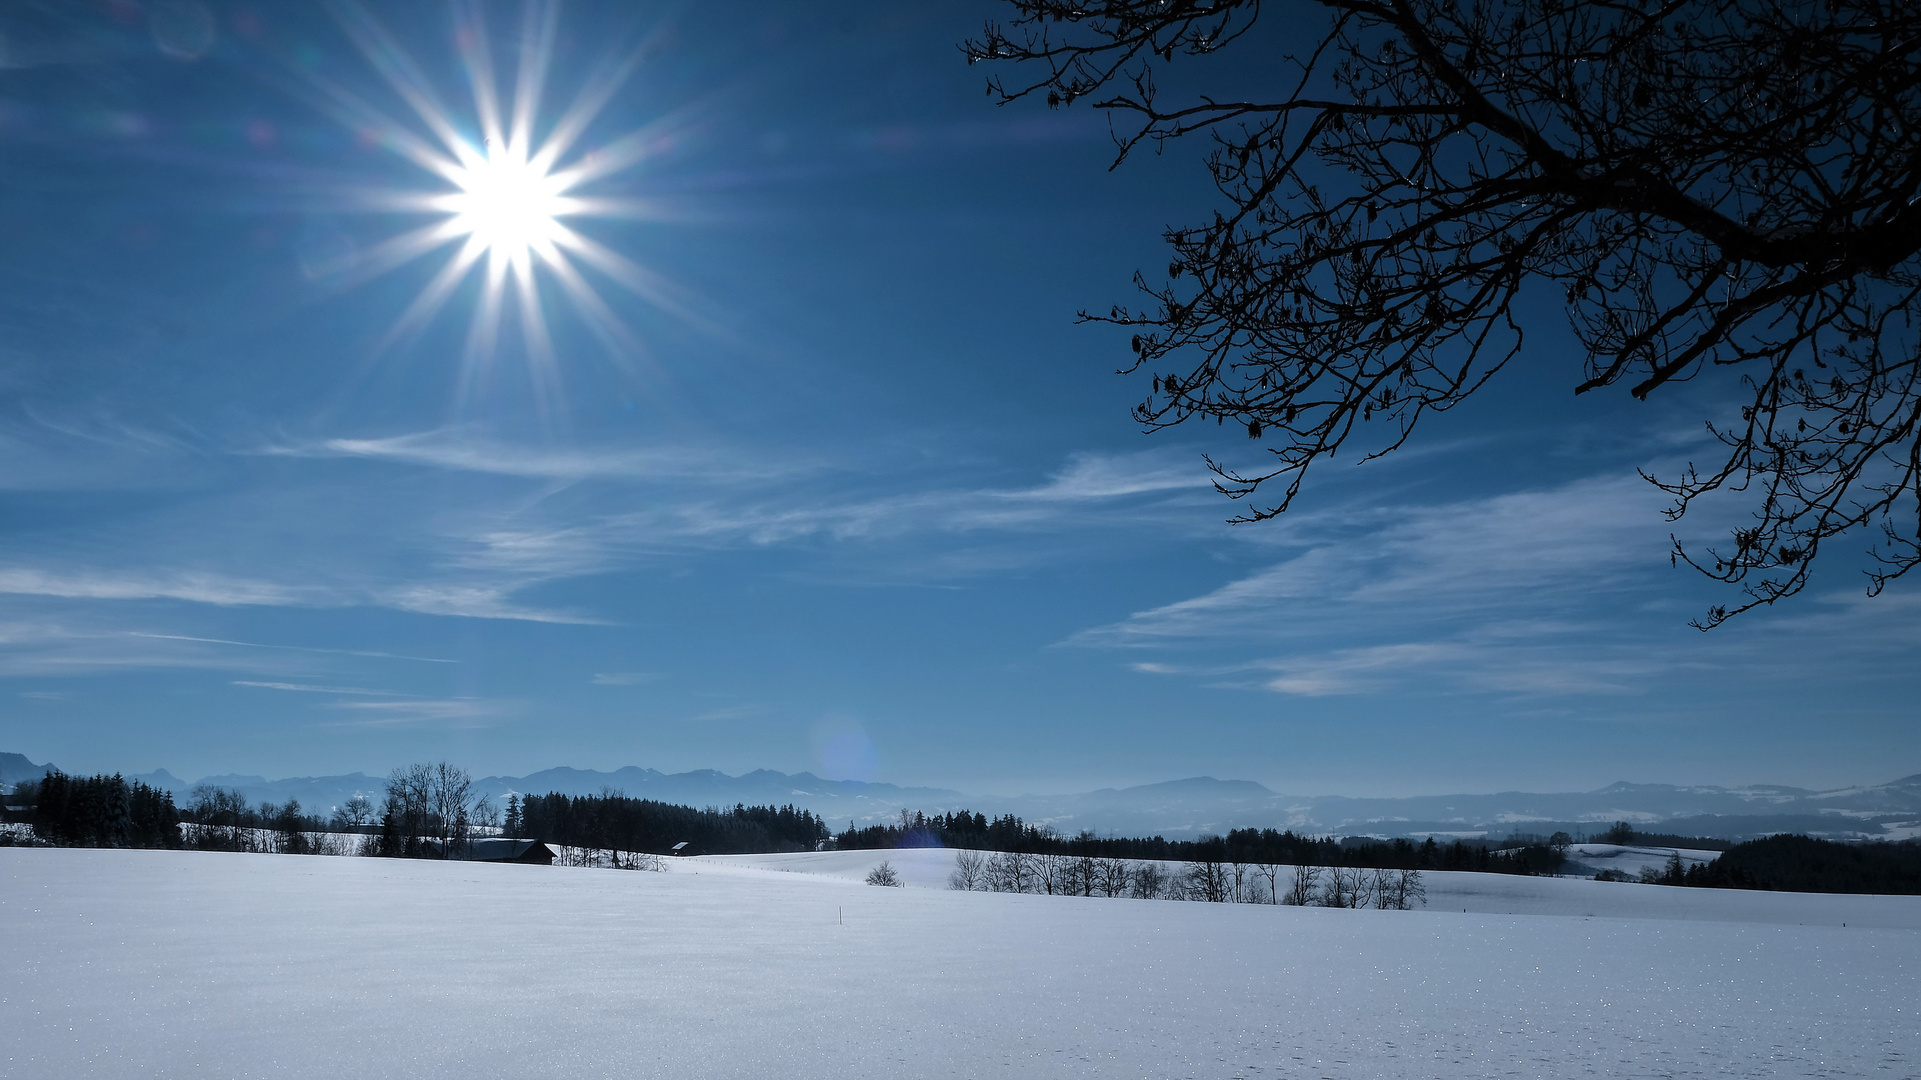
[508, 201]
[508, 205]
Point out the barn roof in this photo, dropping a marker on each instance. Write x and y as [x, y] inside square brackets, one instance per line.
[496, 849]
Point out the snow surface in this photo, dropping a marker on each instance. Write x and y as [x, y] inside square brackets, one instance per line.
[1631, 860]
[1480, 894]
[175, 964]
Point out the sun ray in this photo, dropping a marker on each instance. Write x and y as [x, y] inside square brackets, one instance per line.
[539, 24]
[658, 291]
[477, 57]
[360, 267]
[406, 78]
[587, 104]
[621, 342]
[543, 366]
[355, 113]
[616, 156]
[477, 357]
[431, 298]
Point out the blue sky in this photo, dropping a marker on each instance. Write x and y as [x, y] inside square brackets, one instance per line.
[839, 486]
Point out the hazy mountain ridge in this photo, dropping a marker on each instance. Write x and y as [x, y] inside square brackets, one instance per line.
[15, 768]
[1176, 808]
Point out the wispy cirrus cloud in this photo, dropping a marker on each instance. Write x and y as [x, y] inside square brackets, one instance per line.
[623, 678]
[196, 586]
[462, 712]
[86, 644]
[308, 688]
[291, 648]
[474, 600]
[91, 450]
[468, 451]
[1536, 660]
[477, 601]
[1088, 491]
[1485, 557]
[480, 552]
[1527, 593]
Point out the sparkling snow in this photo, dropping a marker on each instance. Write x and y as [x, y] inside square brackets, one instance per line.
[176, 964]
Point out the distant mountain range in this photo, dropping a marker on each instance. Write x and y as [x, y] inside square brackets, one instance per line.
[1179, 808]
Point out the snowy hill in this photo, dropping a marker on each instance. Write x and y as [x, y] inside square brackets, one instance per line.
[179, 964]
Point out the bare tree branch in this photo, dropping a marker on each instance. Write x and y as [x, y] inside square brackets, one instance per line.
[1709, 184]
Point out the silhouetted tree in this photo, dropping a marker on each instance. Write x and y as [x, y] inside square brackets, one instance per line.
[969, 871]
[221, 819]
[1706, 185]
[355, 813]
[289, 826]
[103, 811]
[1011, 871]
[1207, 876]
[1150, 881]
[1305, 885]
[514, 823]
[429, 811]
[1402, 890]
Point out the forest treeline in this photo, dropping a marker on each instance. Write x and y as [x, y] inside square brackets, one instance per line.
[1789, 863]
[615, 823]
[102, 811]
[427, 811]
[1250, 847]
[111, 811]
[432, 811]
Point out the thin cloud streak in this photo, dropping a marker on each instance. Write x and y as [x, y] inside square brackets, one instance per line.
[291, 648]
[201, 588]
[458, 451]
[477, 602]
[463, 712]
[1089, 490]
[303, 688]
[695, 500]
[1491, 595]
[457, 599]
[1455, 560]
[623, 678]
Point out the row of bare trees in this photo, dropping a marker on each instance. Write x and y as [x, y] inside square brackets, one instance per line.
[432, 811]
[603, 858]
[219, 819]
[1355, 887]
[1212, 881]
[429, 811]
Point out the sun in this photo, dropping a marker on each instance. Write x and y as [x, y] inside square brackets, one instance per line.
[508, 205]
[508, 191]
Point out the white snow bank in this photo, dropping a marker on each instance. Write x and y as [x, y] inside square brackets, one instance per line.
[1495, 894]
[1631, 860]
[177, 964]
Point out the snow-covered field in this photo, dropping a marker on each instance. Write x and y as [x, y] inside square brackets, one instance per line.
[1631, 860]
[1479, 894]
[176, 964]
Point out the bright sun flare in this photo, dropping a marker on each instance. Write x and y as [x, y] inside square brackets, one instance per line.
[503, 195]
[508, 205]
